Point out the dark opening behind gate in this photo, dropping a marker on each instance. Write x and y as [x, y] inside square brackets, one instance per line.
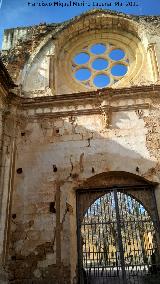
[118, 236]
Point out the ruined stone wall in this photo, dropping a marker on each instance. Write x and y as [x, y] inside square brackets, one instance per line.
[53, 145]
[7, 151]
[19, 44]
[60, 145]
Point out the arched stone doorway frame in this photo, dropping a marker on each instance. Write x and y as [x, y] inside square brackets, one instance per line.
[120, 179]
[137, 187]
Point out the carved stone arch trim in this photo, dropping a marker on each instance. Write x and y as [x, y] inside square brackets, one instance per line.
[115, 178]
[92, 21]
[139, 188]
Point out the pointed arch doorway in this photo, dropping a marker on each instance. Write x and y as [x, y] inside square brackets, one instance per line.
[118, 234]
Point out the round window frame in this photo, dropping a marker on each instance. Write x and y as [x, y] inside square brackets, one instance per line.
[129, 43]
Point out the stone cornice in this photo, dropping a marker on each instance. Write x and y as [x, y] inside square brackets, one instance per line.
[102, 102]
[108, 94]
[98, 110]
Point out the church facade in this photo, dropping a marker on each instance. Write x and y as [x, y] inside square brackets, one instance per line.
[80, 151]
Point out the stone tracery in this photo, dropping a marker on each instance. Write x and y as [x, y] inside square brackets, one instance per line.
[99, 65]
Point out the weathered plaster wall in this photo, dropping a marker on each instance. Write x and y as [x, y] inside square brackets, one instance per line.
[56, 152]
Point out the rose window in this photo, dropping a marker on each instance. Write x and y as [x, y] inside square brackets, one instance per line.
[99, 65]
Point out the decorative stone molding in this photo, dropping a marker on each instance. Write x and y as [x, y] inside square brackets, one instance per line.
[154, 63]
[52, 73]
[117, 39]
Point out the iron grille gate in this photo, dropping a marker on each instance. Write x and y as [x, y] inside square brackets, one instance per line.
[118, 236]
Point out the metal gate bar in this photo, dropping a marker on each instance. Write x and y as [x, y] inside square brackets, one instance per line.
[120, 237]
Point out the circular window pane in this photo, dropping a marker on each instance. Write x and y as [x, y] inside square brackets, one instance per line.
[81, 58]
[82, 74]
[98, 48]
[119, 70]
[101, 81]
[117, 54]
[100, 64]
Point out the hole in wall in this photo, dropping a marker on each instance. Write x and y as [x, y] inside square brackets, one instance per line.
[93, 170]
[54, 168]
[19, 170]
[52, 208]
[14, 216]
[23, 133]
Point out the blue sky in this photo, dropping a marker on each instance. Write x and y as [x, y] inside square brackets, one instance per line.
[15, 13]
